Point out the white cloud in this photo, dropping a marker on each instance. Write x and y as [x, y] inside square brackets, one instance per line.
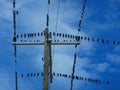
[102, 67]
[114, 58]
[6, 10]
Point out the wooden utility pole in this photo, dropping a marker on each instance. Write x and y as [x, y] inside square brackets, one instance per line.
[47, 54]
[46, 60]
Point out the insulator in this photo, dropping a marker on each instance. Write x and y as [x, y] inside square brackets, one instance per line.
[64, 40]
[114, 42]
[21, 40]
[22, 75]
[102, 40]
[28, 75]
[57, 40]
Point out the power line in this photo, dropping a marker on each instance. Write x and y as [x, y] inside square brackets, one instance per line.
[71, 37]
[56, 27]
[82, 14]
[63, 75]
[15, 12]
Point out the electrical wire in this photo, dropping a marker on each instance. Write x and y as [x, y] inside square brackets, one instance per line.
[75, 77]
[14, 39]
[56, 27]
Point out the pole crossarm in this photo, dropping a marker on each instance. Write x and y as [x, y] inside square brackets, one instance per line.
[42, 43]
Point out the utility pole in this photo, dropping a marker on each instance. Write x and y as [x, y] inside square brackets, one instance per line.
[47, 54]
[46, 60]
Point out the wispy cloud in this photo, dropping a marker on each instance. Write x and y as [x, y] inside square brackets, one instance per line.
[114, 58]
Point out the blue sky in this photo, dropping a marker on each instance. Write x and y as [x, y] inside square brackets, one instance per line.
[94, 60]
